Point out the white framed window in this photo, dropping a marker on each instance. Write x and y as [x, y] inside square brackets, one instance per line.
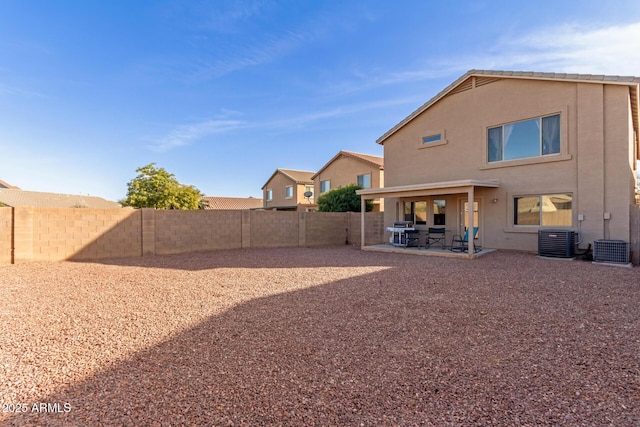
[364, 181]
[269, 195]
[524, 139]
[288, 191]
[325, 186]
[543, 210]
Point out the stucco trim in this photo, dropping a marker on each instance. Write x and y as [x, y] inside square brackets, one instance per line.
[449, 187]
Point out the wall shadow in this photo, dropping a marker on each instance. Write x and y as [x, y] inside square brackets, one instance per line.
[402, 346]
[285, 257]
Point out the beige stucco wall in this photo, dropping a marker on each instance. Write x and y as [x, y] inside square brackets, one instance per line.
[344, 171]
[277, 184]
[595, 164]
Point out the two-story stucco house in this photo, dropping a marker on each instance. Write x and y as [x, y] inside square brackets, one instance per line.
[348, 167]
[286, 188]
[516, 152]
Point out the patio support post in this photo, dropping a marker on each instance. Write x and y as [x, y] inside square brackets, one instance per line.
[470, 222]
[363, 209]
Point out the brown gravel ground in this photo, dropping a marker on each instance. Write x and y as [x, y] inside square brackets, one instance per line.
[326, 336]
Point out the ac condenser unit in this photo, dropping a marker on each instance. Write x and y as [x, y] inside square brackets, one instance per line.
[556, 243]
[611, 251]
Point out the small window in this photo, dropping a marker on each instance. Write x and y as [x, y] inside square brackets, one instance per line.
[269, 195]
[432, 138]
[324, 186]
[289, 191]
[545, 210]
[364, 181]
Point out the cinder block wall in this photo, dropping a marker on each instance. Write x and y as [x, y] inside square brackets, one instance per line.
[85, 233]
[634, 223]
[6, 235]
[326, 228]
[374, 228]
[271, 229]
[47, 234]
[196, 231]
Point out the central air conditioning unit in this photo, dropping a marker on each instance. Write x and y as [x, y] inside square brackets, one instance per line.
[556, 243]
[611, 251]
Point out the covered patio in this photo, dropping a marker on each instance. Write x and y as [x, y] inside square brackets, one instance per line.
[467, 186]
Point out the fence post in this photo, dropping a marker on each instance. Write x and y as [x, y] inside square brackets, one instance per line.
[245, 229]
[148, 218]
[302, 229]
[22, 234]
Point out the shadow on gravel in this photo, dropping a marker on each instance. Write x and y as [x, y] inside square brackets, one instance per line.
[265, 258]
[405, 346]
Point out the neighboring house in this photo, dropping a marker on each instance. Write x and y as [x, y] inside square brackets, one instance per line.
[348, 167]
[232, 203]
[285, 190]
[526, 150]
[36, 199]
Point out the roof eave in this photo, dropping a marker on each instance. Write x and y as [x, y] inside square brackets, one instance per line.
[524, 75]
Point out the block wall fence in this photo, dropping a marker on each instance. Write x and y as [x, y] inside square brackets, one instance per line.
[48, 234]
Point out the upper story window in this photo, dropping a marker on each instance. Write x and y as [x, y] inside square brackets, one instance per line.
[432, 138]
[324, 186]
[364, 181]
[523, 139]
[288, 191]
[269, 195]
[545, 210]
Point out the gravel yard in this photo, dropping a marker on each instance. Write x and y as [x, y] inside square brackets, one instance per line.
[326, 336]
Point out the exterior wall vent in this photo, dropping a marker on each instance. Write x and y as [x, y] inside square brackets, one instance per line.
[556, 243]
[611, 251]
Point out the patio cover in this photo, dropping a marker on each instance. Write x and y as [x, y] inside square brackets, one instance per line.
[427, 189]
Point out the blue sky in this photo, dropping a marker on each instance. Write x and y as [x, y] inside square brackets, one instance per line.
[221, 93]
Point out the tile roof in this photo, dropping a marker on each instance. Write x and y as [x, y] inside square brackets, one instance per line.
[531, 75]
[232, 203]
[375, 161]
[299, 177]
[21, 198]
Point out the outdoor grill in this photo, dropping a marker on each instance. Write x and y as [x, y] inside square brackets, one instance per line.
[403, 234]
[403, 224]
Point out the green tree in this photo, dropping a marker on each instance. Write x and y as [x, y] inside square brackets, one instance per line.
[343, 199]
[157, 188]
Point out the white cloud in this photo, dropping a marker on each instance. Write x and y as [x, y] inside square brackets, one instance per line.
[568, 48]
[186, 134]
[571, 48]
[238, 57]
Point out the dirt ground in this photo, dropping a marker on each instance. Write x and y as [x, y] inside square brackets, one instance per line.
[320, 336]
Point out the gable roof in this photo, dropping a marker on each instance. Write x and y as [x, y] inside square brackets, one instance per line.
[298, 177]
[480, 77]
[37, 199]
[232, 203]
[375, 161]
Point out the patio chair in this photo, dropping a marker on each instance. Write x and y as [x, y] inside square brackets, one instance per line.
[461, 244]
[435, 237]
